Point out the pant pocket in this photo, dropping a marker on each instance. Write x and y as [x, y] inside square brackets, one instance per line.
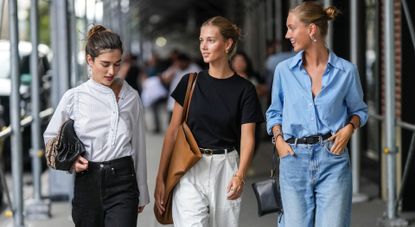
[327, 147]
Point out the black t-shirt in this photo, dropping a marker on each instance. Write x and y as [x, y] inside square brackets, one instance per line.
[218, 109]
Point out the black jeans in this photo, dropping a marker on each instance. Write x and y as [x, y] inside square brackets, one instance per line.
[106, 195]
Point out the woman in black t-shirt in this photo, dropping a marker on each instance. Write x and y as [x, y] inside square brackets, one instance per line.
[223, 113]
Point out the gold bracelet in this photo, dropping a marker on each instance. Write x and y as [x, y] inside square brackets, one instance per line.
[239, 177]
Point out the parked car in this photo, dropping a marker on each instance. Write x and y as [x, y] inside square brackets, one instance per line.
[25, 49]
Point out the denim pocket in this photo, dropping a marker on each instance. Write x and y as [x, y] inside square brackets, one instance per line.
[327, 147]
[287, 154]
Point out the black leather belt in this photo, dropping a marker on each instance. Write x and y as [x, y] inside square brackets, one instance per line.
[116, 163]
[309, 139]
[209, 151]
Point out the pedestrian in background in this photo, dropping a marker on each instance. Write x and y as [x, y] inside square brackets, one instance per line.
[317, 104]
[223, 113]
[111, 179]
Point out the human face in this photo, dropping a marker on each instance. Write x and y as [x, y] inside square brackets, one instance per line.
[213, 45]
[105, 66]
[239, 64]
[298, 33]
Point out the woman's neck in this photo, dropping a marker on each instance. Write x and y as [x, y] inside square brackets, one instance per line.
[316, 56]
[220, 69]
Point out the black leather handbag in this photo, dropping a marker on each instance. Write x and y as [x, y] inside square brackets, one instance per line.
[63, 150]
[267, 192]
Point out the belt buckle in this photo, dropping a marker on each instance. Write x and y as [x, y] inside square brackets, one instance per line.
[208, 151]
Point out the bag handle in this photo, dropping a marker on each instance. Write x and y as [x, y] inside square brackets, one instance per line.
[189, 92]
[275, 164]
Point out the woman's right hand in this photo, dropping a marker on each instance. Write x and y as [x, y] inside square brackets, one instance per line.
[80, 164]
[283, 148]
[159, 196]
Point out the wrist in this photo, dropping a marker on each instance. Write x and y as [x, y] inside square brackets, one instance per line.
[275, 138]
[352, 125]
[159, 179]
[240, 177]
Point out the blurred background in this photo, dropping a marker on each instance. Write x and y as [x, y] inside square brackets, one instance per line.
[161, 44]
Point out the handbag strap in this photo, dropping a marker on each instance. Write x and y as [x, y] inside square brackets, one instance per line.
[275, 164]
[189, 93]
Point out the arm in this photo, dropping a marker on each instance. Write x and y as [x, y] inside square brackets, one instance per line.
[168, 143]
[274, 112]
[356, 110]
[282, 148]
[354, 101]
[237, 182]
[140, 159]
[60, 115]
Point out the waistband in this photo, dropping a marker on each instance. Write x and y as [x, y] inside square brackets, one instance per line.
[309, 139]
[119, 162]
[213, 151]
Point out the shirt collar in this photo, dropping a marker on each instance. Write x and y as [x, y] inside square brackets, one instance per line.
[99, 87]
[334, 61]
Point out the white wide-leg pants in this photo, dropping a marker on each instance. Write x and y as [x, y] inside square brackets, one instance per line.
[200, 198]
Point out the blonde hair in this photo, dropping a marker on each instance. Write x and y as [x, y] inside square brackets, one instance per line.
[227, 29]
[314, 13]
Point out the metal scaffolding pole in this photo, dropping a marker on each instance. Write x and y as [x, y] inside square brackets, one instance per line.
[60, 183]
[390, 149]
[329, 38]
[16, 140]
[279, 23]
[36, 209]
[73, 43]
[355, 142]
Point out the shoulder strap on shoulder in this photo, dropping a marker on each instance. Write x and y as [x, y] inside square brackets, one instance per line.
[189, 92]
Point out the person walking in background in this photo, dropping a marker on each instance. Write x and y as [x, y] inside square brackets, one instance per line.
[111, 179]
[131, 72]
[223, 112]
[317, 104]
[242, 65]
[183, 65]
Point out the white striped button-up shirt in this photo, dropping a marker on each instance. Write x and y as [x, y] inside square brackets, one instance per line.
[108, 129]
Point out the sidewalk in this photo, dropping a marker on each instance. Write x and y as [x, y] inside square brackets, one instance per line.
[363, 214]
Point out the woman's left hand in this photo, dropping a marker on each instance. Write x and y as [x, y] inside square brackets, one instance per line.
[341, 138]
[140, 209]
[235, 188]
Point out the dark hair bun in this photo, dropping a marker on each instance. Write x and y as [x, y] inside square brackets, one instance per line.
[94, 30]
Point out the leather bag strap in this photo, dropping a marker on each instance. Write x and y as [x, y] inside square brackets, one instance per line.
[189, 93]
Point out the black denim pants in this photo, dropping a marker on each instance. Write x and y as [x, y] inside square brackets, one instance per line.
[106, 195]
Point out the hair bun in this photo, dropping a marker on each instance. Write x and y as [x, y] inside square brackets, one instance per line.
[237, 29]
[331, 12]
[95, 29]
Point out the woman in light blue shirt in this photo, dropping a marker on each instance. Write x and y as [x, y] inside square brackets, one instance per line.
[317, 104]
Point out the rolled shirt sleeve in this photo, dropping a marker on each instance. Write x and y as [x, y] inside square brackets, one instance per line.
[354, 98]
[140, 159]
[274, 112]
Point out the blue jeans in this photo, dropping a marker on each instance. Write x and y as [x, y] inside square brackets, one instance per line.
[316, 187]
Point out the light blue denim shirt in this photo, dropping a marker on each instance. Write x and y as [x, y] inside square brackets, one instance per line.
[300, 115]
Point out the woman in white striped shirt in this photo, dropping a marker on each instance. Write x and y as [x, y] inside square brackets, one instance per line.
[111, 178]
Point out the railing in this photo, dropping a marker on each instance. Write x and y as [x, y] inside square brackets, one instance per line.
[6, 133]
[25, 122]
